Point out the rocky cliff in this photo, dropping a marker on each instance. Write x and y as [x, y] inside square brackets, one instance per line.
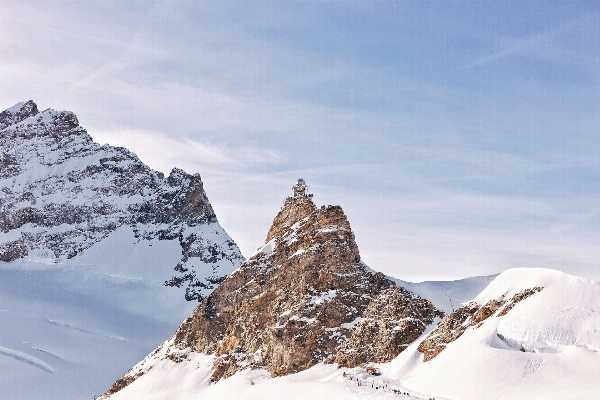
[470, 315]
[304, 298]
[61, 193]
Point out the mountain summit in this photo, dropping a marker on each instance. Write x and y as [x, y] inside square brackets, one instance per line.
[62, 194]
[305, 297]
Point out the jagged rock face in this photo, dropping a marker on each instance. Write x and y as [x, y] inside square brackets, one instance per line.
[62, 193]
[469, 315]
[304, 298]
[17, 113]
[393, 320]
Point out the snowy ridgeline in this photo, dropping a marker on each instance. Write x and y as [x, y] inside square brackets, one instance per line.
[557, 330]
[546, 347]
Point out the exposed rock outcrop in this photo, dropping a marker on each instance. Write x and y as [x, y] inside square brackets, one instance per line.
[305, 297]
[393, 320]
[61, 193]
[469, 315]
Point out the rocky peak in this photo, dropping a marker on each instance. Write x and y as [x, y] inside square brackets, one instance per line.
[61, 193]
[17, 113]
[303, 298]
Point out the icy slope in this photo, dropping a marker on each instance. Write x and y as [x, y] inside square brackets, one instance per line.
[77, 325]
[544, 346]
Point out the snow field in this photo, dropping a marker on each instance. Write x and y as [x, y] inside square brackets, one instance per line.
[85, 320]
[190, 379]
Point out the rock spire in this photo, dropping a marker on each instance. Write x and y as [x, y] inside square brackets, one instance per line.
[303, 298]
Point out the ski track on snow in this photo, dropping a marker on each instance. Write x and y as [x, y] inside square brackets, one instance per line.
[25, 358]
[69, 326]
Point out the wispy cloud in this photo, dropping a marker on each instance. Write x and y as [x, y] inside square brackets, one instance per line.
[525, 45]
[164, 152]
[441, 175]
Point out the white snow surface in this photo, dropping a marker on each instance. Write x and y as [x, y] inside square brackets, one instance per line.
[559, 329]
[87, 319]
[189, 379]
[16, 108]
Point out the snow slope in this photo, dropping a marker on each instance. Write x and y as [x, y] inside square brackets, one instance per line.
[440, 292]
[557, 328]
[68, 330]
[189, 379]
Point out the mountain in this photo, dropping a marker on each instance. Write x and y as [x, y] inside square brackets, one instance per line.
[101, 257]
[62, 193]
[303, 299]
[531, 334]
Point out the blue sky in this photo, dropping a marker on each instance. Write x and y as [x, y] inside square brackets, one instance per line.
[461, 138]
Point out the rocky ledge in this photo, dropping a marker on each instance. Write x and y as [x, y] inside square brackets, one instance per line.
[469, 315]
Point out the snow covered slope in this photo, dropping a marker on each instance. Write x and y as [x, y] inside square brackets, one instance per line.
[531, 334]
[447, 295]
[190, 380]
[89, 235]
[544, 345]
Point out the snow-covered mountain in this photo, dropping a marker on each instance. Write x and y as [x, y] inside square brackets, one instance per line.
[62, 193]
[303, 299]
[89, 240]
